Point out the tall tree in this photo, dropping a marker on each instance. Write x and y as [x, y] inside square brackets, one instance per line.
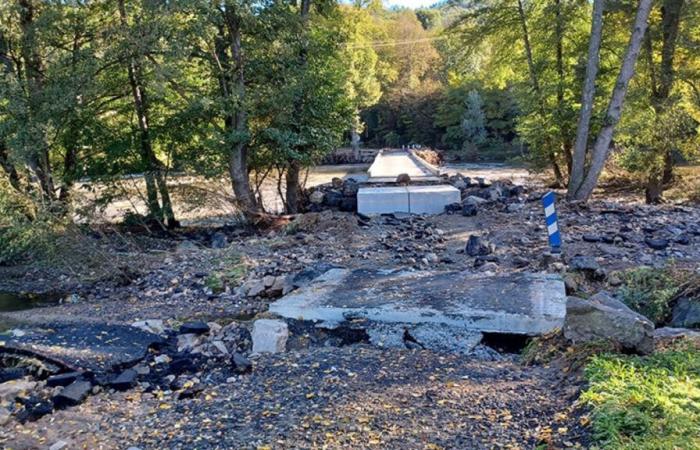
[32, 75]
[363, 86]
[293, 183]
[661, 89]
[601, 147]
[154, 171]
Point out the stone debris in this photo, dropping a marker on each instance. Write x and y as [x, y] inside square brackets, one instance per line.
[63, 379]
[197, 327]
[241, 364]
[10, 390]
[72, 395]
[125, 380]
[269, 336]
[155, 326]
[478, 247]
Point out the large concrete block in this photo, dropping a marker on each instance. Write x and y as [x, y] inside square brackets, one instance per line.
[382, 200]
[521, 303]
[431, 199]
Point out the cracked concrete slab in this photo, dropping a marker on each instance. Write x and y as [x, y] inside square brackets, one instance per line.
[522, 303]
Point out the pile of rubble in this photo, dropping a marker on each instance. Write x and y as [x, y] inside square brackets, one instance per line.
[478, 191]
[338, 195]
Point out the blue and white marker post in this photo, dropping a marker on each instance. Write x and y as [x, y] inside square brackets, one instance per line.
[550, 215]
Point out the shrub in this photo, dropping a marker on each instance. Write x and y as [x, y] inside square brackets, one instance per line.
[650, 291]
[26, 229]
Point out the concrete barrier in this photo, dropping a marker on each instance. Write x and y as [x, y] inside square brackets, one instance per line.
[409, 199]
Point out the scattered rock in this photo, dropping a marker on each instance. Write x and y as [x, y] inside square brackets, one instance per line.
[72, 395]
[477, 247]
[60, 445]
[589, 266]
[10, 390]
[194, 327]
[656, 244]
[63, 379]
[602, 317]
[125, 380]
[241, 364]
[154, 326]
[474, 200]
[403, 179]
[469, 210]
[686, 313]
[269, 336]
[219, 240]
[316, 197]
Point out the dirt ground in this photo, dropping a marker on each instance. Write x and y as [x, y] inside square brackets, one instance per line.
[340, 397]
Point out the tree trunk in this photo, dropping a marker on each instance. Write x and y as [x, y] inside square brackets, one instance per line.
[559, 34]
[5, 162]
[232, 84]
[293, 195]
[153, 175]
[670, 22]
[601, 148]
[355, 137]
[538, 92]
[38, 158]
[587, 95]
[8, 167]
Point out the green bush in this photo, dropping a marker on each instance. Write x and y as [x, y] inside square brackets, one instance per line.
[649, 291]
[650, 402]
[232, 270]
[25, 228]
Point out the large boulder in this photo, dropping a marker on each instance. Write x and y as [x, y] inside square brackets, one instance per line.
[686, 313]
[604, 318]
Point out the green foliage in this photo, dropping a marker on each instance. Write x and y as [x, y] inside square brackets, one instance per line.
[26, 231]
[650, 402]
[649, 291]
[232, 270]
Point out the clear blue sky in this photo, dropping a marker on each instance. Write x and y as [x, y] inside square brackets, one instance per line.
[410, 3]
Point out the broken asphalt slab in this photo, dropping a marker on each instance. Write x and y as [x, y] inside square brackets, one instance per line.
[523, 303]
[90, 347]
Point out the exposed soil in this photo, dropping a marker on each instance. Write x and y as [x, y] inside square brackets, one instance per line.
[338, 397]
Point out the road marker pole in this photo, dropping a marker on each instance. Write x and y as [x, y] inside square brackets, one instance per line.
[550, 215]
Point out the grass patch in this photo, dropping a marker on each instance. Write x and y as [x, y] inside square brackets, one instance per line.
[650, 402]
[232, 270]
